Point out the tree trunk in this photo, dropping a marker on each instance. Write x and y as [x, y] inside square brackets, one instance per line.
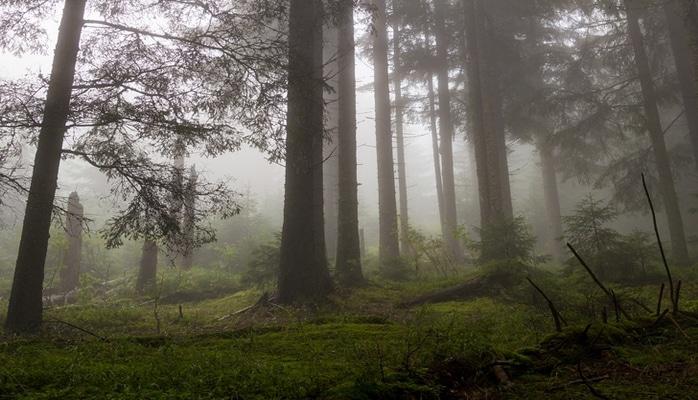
[303, 273]
[189, 220]
[656, 132]
[552, 199]
[74, 216]
[678, 36]
[450, 225]
[348, 262]
[330, 159]
[389, 248]
[435, 149]
[400, 138]
[25, 307]
[147, 273]
[486, 118]
[690, 23]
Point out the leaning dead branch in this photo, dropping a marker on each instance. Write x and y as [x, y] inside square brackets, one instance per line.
[557, 317]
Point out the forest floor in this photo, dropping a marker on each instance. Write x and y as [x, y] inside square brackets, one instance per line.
[361, 345]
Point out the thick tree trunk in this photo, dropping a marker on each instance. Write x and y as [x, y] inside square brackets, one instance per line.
[74, 217]
[331, 159]
[435, 149]
[656, 132]
[678, 36]
[450, 225]
[690, 23]
[348, 262]
[147, 272]
[25, 308]
[400, 140]
[389, 248]
[303, 273]
[552, 199]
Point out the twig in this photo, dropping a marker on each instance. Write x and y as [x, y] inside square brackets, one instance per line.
[642, 305]
[616, 307]
[678, 326]
[659, 301]
[660, 318]
[83, 330]
[659, 241]
[551, 305]
[677, 297]
[579, 381]
[587, 383]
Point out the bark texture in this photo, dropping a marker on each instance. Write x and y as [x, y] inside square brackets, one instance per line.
[552, 199]
[331, 158]
[348, 261]
[25, 307]
[450, 220]
[303, 273]
[389, 248]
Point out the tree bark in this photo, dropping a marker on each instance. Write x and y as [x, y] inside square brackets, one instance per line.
[189, 220]
[552, 199]
[348, 261]
[74, 216]
[389, 248]
[435, 149]
[147, 273]
[25, 307]
[400, 138]
[303, 273]
[450, 225]
[678, 36]
[656, 133]
[331, 159]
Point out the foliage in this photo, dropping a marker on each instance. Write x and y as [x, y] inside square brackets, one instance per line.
[507, 240]
[263, 266]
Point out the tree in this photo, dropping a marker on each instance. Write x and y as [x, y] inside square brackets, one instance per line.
[400, 132]
[389, 248]
[25, 306]
[656, 133]
[303, 273]
[148, 268]
[450, 221]
[74, 218]
[348, 261]
[330, 161]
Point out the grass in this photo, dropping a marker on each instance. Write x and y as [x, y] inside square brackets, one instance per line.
[358, 346]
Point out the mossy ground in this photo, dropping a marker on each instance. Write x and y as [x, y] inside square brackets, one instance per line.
[359, 346]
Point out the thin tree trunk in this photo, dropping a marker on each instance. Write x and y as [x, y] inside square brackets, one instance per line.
[552, 199]
[189, 220]
[446, 133]
[331, 163]
[147, 272]
[25, 307]
[389, 248]
[435, 149]
[74, 216]
[656, 132]
[400, 138]
[303, 273]
[348, 262]
[678, 36]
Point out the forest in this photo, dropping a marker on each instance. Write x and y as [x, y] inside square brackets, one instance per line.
[349, 199]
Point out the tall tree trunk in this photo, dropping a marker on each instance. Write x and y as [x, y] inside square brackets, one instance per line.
[678, 36]
[552, 199]
[303, 273]
[656, 132]
[388, 246]
[435, 149]
[74, 217]
[486, 121]
[330, 159]
[148, 269]
[348, 262]
[450, 225]
[400, 136]
[25, 308]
